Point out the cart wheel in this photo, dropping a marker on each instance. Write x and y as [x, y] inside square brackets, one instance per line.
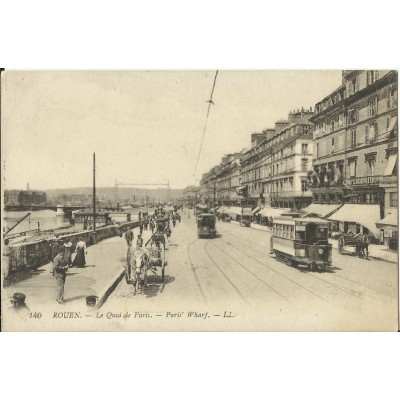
[127, 277]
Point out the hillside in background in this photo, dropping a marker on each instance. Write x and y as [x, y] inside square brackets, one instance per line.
[120, 195]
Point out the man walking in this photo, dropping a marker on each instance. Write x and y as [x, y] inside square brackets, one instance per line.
[60, 273]
[129, 235]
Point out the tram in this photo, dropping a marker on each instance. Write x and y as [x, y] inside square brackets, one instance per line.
[301, 241]
[206, 225]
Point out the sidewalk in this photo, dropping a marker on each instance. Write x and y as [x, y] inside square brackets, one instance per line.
[379, 252]
[103, 263]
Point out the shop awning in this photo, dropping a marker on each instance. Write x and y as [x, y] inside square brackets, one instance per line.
[362, 214]
[391, 219]
[235, 210]
[273, 212]
[256, 210]
[390, 164]
[247, 211]
[323, 210]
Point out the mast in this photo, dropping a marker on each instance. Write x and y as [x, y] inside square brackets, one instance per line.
[94, 192]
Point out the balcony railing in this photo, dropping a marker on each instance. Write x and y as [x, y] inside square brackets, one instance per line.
[356, 181]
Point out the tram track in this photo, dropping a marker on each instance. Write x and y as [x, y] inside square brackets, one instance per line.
[194, 271]
[253, 274]
[280, 274]
[348, 291]
[344, 289]
[237, 290]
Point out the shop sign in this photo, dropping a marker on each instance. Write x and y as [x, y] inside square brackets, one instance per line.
[363, 180]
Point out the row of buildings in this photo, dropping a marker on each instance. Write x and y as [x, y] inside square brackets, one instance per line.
[24, 197]
[343, 152]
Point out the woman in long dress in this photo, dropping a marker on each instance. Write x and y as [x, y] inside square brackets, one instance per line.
[80, 260]
[67, 252]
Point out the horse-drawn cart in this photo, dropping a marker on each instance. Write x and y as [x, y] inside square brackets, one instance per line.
[157, 260]
[356, 242]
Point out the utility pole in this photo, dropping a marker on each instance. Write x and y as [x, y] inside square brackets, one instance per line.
[169, 192]
[116, 194]
[94, 193]
[215, 189]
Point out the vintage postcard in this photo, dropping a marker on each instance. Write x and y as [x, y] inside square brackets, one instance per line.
[199, 200]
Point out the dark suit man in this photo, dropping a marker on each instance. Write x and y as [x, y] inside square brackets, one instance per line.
[60, 273]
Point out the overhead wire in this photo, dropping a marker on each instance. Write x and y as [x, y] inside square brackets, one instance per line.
[210, 101]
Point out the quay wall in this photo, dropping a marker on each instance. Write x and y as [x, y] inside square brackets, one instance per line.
[33, 255]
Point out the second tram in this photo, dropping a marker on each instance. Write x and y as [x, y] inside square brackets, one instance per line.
[206, 225]
[302, 241]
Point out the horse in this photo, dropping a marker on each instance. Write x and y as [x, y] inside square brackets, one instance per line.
[362, 243]
[136, 268]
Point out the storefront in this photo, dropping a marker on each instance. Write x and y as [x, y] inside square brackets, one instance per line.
[267, 214]
[389, 230]
[358, 218]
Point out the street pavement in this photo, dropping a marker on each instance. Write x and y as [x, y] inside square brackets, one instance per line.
[226, 283]
[234, 274]
[103, 261]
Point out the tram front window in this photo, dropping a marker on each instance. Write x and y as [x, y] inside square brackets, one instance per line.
[311, 236]
[322, 233]
[205, 221]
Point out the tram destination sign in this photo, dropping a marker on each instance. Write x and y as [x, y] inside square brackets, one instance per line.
[363, 180]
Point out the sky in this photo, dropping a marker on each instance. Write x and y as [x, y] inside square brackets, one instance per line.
[144, 126]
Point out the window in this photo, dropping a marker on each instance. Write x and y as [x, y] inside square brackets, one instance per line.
[352, 116]
[372, 76]
[372, 132]
[332, 125]
[317, 150]
[373, 106]
[353, 86]
[304, 164]
[353, 138]
[332, 145]
[331, 172]
[303, 185]
[370, 166]
[304, 148]
[390, 100]
[393, 199]
[341, 119]
[353, 167]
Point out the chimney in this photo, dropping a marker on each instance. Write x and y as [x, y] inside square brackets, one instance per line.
[27, 186]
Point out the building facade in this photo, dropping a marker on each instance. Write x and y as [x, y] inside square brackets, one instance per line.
[24, 197]
[275, 170]
[190, 195]
[355, 135]
[221, 182]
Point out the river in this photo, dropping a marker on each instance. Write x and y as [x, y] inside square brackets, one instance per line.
[47, 219]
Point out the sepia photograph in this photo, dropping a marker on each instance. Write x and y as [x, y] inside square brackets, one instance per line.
[199, 200]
